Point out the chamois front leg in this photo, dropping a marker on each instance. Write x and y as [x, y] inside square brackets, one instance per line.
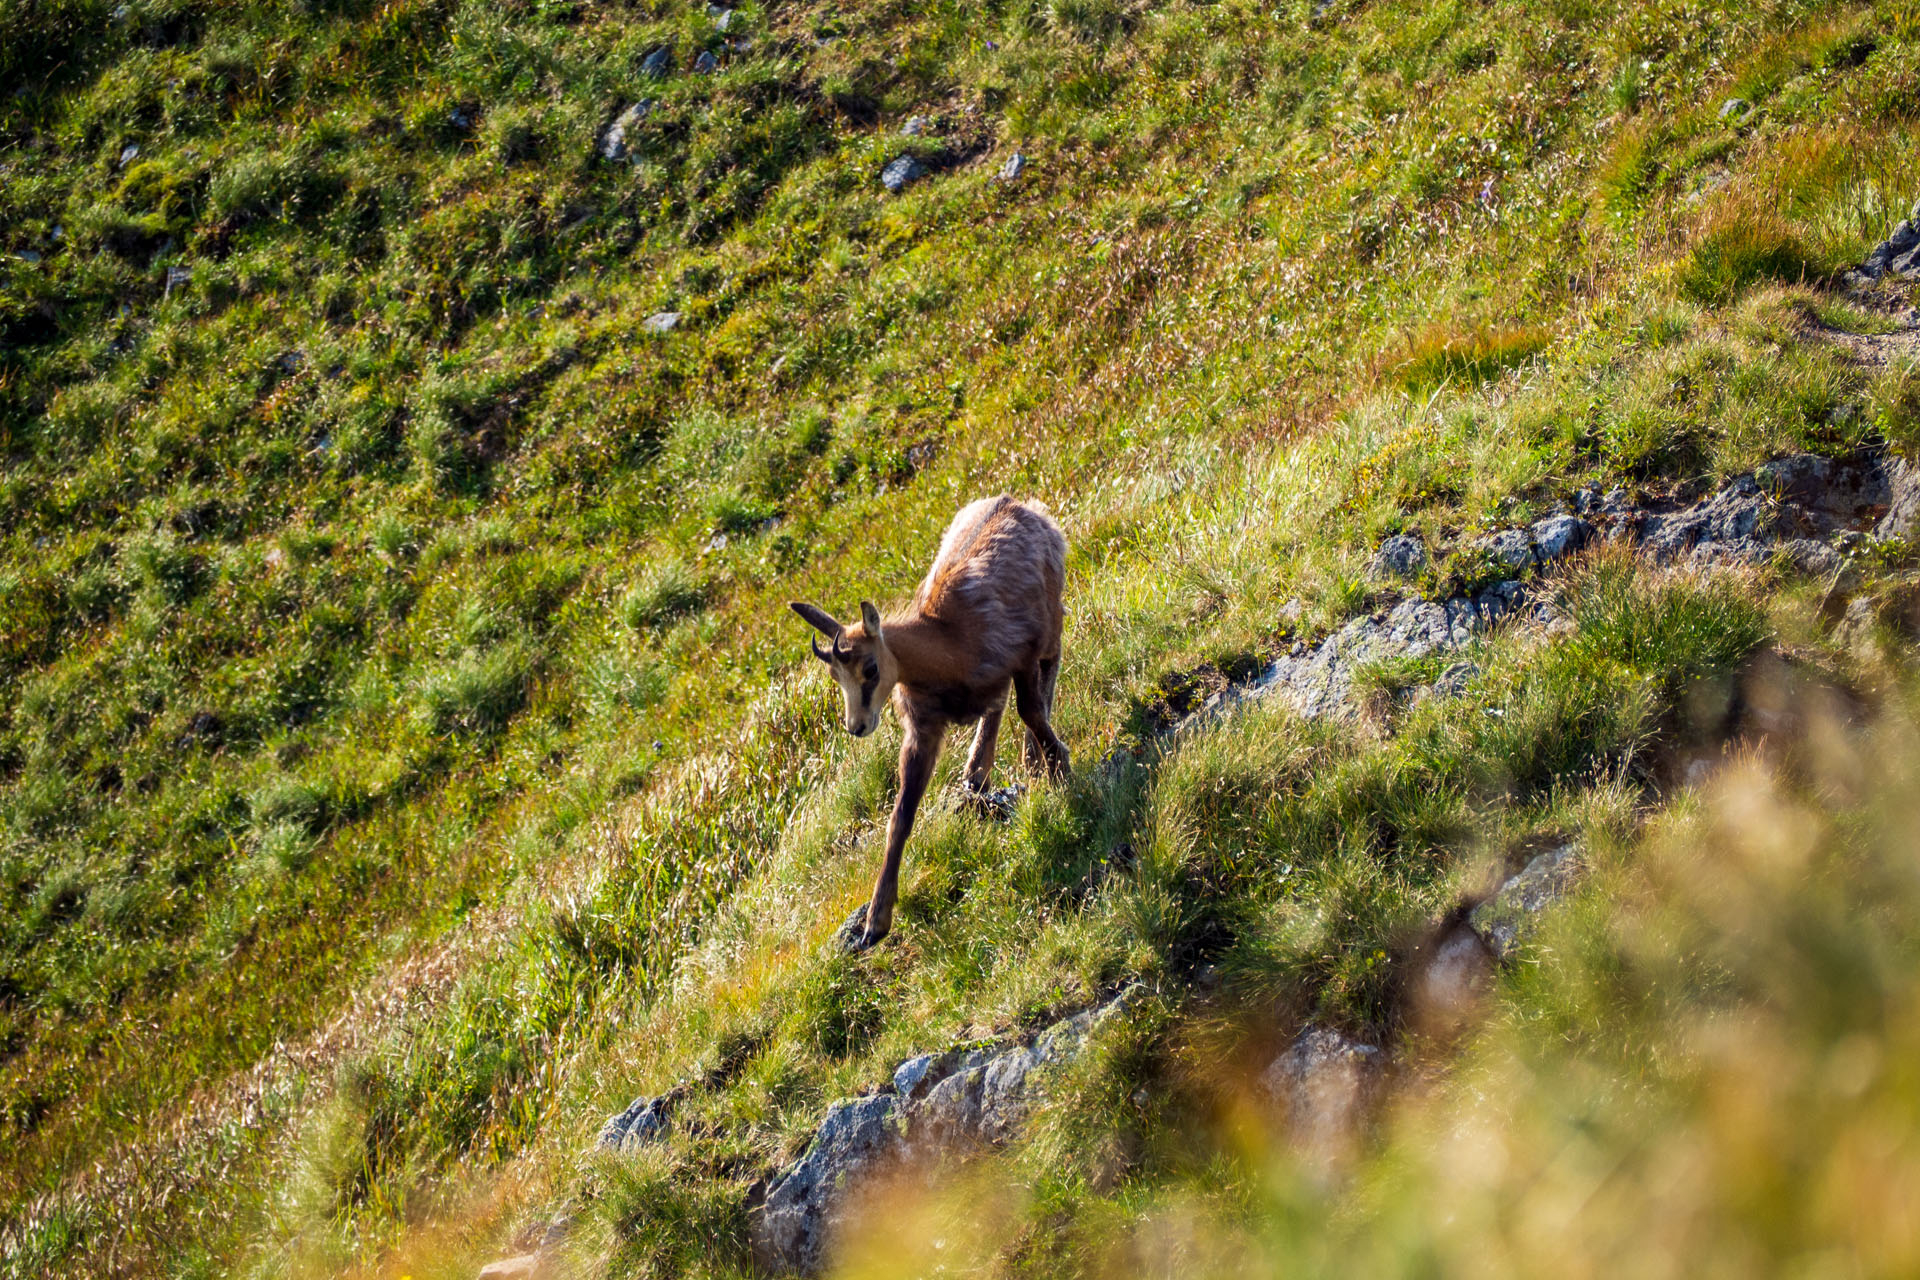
[918, 752]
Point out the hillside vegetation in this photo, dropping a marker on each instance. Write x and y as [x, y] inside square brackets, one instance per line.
[407, 756]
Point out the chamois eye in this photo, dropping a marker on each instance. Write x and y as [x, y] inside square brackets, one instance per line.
[871, 670]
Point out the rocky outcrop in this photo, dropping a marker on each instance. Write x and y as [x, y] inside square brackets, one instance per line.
[1903, 501]
[1400, 556]
[1319, 681]
[1505, 921]
[807, 1202]
[1324, 1085]
[1898, 254]
[644, 1121]
[937, 1105]
[1795, 506]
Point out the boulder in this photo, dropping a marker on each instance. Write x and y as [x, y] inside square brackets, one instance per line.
[1505, 921]
[657, 64]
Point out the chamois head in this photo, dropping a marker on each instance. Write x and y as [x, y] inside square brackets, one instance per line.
[858, 658]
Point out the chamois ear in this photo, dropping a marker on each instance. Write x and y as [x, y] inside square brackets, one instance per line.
[818, 618]
[870, 616]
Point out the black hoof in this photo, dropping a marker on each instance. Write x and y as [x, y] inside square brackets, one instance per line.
[852, 937]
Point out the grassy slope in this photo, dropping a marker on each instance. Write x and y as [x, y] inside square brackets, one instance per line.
[362, 599]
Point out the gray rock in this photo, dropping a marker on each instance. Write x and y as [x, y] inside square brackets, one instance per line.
[1734, 107]
[1795, 499]
[661, 322]
[1454, 680]
[721, 15]
[28, 256]
[1401, 556]
[658, 63]
[983, 1100]
[916, 126]
[528, 1266]
[1904, 237]
[916, 1077]
[706, 64]
[128, 153]
[1015, 165]
[805, 1204]
[614, 145]
[1510, 547]
[1506, 920]
[901, 171]
[1903, 501]
[1559, 536]
[942, 1104]
[460, 119]
[644, 1121]
[1324, 1084]
[177, 278]
[1450, 983]
[1319, 682]
[1906, 264]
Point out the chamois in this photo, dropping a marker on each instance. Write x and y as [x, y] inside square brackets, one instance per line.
[987, 617]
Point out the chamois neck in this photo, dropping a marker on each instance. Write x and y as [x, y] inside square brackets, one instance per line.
[920, 648]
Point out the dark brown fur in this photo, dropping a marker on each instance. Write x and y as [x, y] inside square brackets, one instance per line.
[986, 619]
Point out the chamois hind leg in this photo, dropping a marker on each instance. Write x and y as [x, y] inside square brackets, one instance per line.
[1033, 696]
[979, 771]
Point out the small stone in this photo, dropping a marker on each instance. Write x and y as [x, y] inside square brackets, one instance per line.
[177, 276]
[1401, 556]
[706, 64]
[1734, 107]
[28, 256]
[900, 172]
[614, 145]
[460, 119]
[916, 126]
[658, 63]
[1015, 165]
[127, 154]
[661, 322]
[525, 1267]
[721, 16]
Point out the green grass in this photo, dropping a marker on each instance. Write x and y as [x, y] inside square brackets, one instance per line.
[385, 598]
